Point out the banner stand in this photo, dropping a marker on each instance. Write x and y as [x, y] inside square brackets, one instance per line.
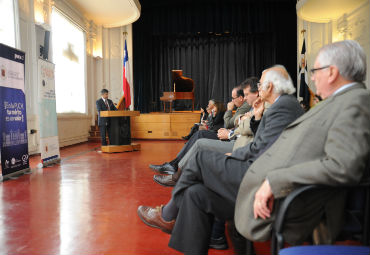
[14, 155]
[50, 162]
[49, 140]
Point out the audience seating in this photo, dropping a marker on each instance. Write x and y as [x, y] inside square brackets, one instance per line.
[356, 227]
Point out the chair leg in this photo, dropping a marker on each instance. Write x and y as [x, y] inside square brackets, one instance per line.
[274, 246]
[249, 248]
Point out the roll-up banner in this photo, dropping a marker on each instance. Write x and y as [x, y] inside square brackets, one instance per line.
[13, 120]
[49, 141]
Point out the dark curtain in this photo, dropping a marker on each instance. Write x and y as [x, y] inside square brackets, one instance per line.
[218, 44]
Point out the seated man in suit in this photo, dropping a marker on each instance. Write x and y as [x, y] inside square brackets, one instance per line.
[329, 145]
[239, 137]
[104, 104]
[213, 176]
[238, 101]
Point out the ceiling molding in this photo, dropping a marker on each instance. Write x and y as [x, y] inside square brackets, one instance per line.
[325, 11]
[110, 13]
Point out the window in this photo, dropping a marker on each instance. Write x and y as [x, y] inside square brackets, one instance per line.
[7, 23]
[68, 42]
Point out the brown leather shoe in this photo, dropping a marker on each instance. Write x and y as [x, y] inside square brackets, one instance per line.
[167, 180]
[153, 218]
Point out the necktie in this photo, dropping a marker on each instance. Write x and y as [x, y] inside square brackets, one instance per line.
[106, 104]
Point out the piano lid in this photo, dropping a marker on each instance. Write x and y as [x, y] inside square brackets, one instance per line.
[181, 83]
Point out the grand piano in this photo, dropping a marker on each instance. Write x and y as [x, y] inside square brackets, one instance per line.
[183, 89]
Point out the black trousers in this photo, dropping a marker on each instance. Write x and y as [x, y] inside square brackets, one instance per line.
[198, 135]
[194, 129]
[103, 133]
[206, 189]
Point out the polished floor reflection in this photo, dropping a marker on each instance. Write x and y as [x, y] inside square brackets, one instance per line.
[87, 204]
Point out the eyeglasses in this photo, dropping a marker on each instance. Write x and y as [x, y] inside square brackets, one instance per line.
[313, 70]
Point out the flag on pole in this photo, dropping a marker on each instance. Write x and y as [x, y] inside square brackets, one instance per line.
[126, 78]
[304, 90]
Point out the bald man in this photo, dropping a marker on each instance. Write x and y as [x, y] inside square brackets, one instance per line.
[210, 181]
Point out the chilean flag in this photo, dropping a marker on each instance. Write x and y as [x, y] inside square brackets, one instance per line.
[126, 78]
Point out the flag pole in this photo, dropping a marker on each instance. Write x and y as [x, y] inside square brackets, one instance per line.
[312, 95]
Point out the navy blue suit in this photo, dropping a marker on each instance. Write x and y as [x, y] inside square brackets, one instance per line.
[102, 121]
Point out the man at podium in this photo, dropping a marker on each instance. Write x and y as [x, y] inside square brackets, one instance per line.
[104, 104]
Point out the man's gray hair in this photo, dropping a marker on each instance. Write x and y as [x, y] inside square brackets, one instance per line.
[348, 56]
[282, 85]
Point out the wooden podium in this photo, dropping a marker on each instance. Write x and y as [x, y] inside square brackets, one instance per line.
[120, 131]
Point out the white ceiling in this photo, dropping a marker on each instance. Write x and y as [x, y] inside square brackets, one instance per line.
[325, 10]
[110, 13]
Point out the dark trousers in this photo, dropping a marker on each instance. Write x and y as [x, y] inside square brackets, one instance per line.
[103, 133]
[206, 189]
[198, 135]
[194, 129]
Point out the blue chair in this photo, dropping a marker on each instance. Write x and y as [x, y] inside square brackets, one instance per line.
[326, 249]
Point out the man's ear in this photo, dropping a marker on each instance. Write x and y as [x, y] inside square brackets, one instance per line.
[333, 73]
[270, 87]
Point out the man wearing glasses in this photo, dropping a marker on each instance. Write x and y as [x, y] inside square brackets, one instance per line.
[237, 100]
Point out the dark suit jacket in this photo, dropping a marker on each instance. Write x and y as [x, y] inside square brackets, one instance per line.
[328, 145]
[100, 106]
[216, 122]
[281, 113]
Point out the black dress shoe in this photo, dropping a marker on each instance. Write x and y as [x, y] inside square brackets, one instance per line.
[156, 167]
[218, 243]
[166, 168]
[165, 180]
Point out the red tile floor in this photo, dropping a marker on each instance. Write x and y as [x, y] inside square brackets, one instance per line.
[87, 204]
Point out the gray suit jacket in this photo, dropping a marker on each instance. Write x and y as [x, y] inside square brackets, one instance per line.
[274, 120]
[328, 145]
[229, 119]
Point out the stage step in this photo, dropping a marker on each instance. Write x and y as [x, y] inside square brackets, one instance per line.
[94, 132]
[169, 126]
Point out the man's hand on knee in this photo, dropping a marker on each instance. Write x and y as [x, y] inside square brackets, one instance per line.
[263, 201]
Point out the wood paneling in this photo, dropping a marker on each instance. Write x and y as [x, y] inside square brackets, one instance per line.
[163, 125]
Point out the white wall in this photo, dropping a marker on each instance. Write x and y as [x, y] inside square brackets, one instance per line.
[105, 72]
[352, 25]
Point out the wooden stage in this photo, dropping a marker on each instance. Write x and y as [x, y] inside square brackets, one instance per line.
[159, 125]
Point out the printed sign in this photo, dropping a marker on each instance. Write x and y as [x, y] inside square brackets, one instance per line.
[13, 119]
[49, 143]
